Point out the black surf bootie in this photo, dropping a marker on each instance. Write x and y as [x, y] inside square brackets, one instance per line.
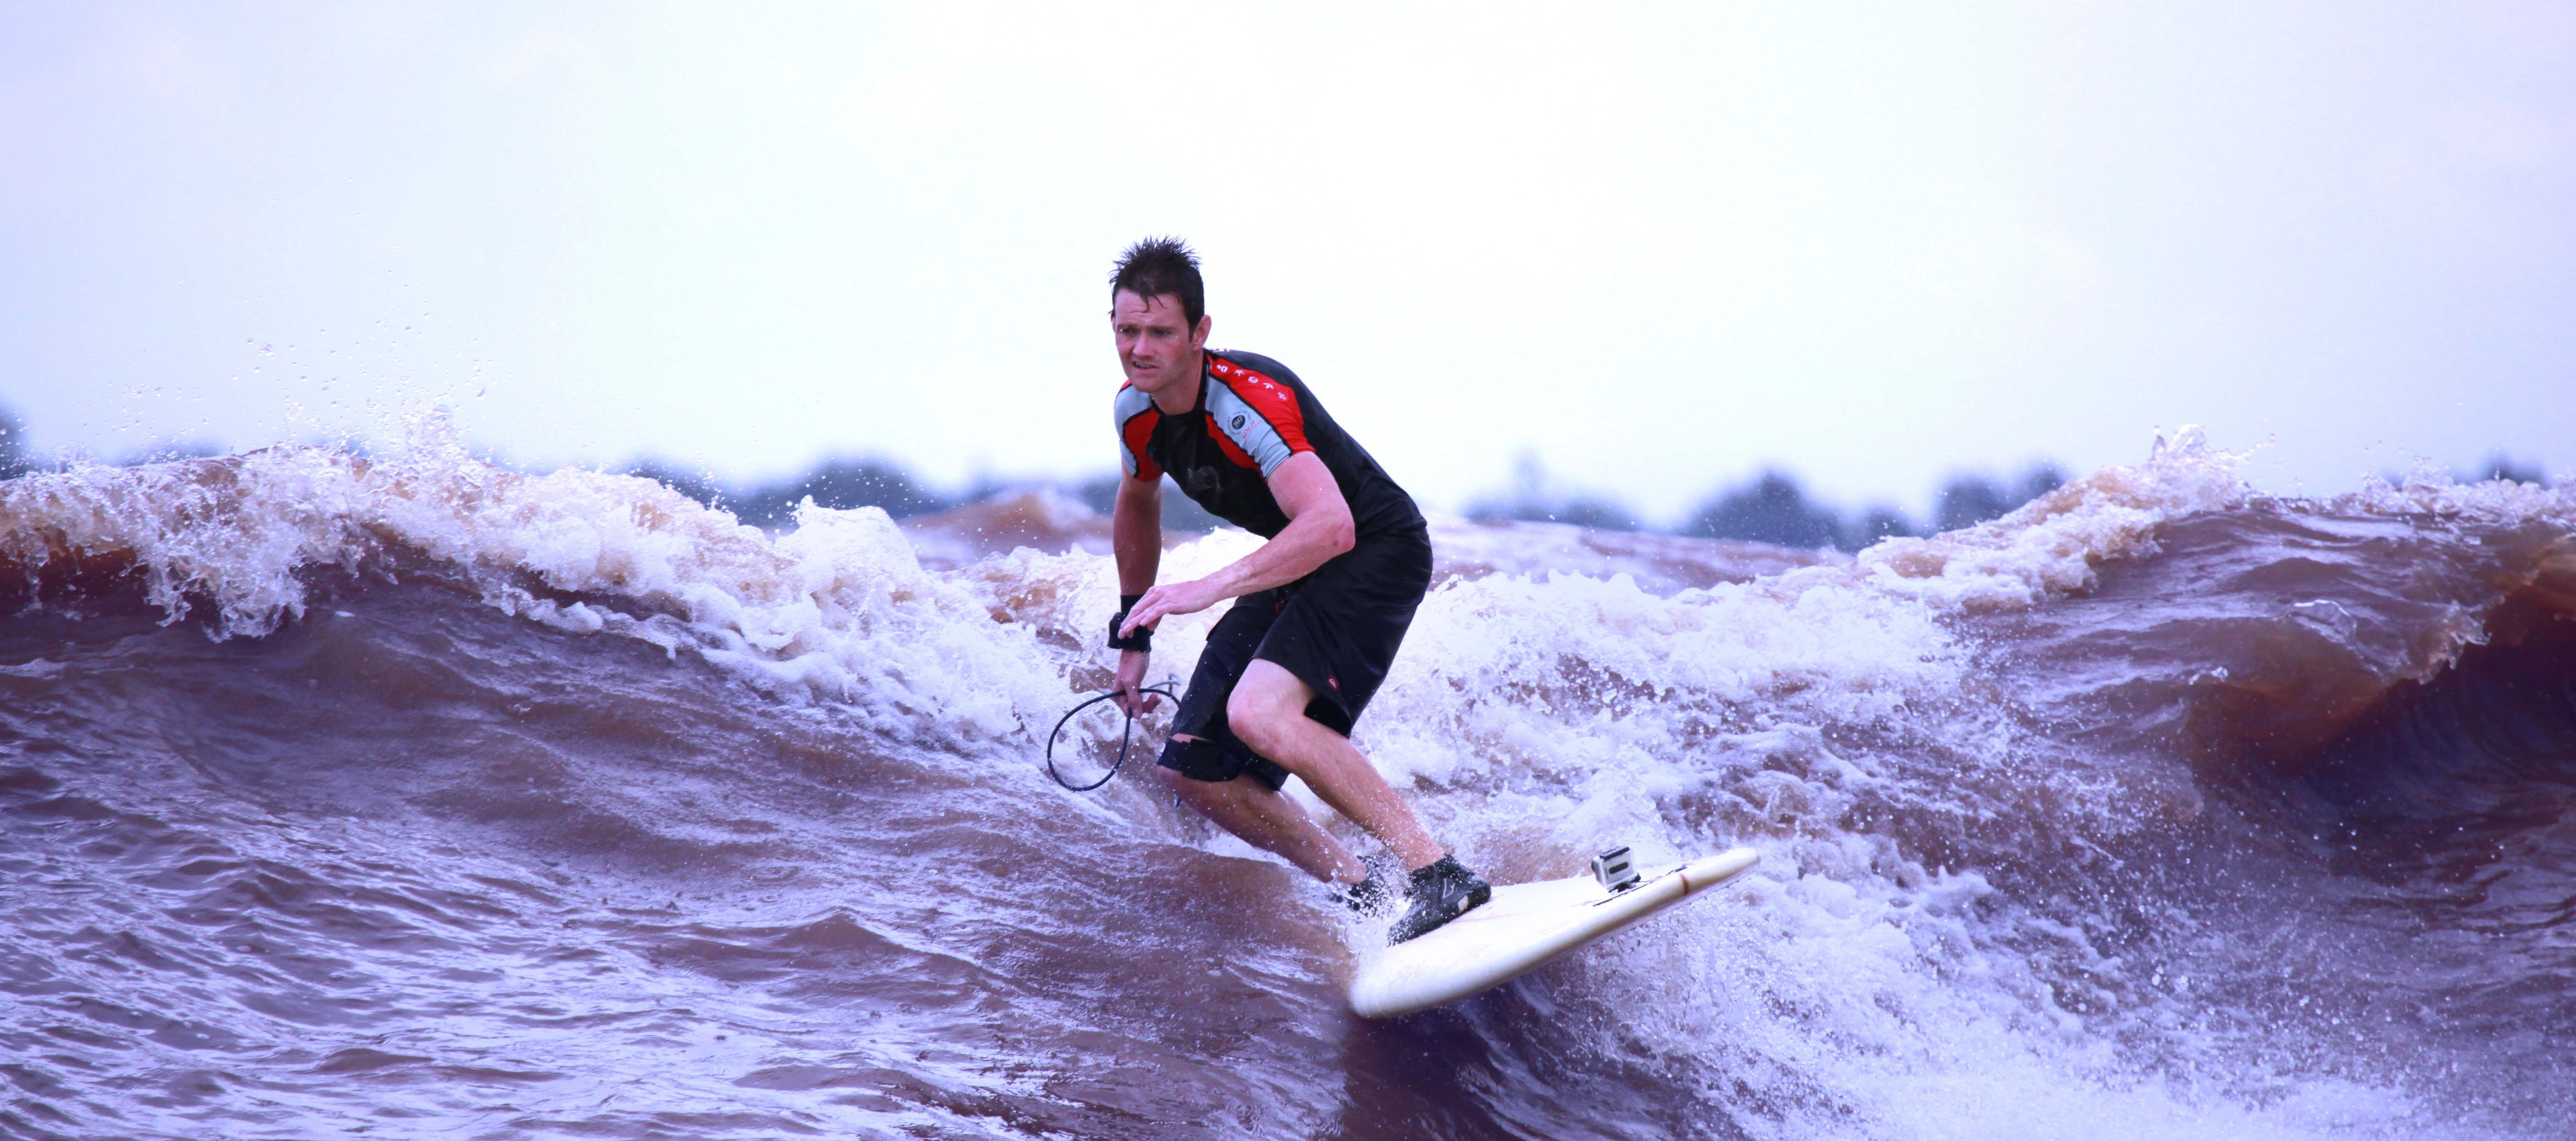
[1365, 896]
[1438, 893]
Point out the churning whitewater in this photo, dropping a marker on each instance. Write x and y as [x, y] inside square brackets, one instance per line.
[410, 796]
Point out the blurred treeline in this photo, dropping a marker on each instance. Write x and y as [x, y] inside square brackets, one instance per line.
[870, 482]
[1770, 507]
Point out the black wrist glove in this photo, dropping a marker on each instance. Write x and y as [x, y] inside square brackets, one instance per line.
[1142, 639]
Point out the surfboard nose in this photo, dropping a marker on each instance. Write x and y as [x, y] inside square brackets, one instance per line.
[1710, 871]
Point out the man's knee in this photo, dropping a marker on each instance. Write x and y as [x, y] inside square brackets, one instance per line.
[1259, 708]
[1255, 720]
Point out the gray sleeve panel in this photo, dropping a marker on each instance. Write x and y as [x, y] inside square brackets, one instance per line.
[1130, 404]
[1247, 428]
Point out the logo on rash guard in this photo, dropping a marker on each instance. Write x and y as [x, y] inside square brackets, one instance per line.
[1236, 423]
[1334, 682]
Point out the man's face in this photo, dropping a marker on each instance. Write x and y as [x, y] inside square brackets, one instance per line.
[1156, 345]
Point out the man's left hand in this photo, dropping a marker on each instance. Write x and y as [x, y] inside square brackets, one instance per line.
[1171, 598]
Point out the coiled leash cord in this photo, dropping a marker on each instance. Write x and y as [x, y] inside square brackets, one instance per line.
[1124, 736]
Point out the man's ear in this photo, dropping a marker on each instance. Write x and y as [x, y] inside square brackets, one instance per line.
[1198, 338]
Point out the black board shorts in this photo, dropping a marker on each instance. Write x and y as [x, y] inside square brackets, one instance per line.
[1337, 629]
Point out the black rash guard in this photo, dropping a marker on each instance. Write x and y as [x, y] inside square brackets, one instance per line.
[1252, 415]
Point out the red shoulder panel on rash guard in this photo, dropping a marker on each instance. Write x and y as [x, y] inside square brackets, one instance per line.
[1138, 429]
[1269, 398]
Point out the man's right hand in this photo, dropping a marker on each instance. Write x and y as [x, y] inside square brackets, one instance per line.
[1131, 680]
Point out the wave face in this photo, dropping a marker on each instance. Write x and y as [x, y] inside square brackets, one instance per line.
[416, 797]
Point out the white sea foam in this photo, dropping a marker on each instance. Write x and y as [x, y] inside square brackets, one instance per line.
[2431, 493]
[2050, 545]
[836, 607]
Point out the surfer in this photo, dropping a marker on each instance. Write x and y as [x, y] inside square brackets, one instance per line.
[1319, 609]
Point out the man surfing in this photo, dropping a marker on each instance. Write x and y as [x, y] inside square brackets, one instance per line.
[1319, 609]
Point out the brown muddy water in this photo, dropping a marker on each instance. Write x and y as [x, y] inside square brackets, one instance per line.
[415, 798]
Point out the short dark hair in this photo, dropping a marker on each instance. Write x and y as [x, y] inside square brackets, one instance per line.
[1159, 267]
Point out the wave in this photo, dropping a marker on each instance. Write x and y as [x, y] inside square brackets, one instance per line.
[411, 792]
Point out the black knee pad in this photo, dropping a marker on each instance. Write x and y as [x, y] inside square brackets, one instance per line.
[1201, 759]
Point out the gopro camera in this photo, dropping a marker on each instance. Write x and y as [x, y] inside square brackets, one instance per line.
[1616, 869]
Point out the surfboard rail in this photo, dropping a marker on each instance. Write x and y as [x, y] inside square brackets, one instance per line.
[1521, 928]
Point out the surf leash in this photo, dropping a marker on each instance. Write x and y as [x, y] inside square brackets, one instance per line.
[1125, 735]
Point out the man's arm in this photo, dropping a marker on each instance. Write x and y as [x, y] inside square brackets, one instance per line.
[1136, 533]
[1136, 540]
[1319, 528]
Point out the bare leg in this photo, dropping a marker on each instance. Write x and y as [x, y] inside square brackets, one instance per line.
[1270, 821]
[1268, 712]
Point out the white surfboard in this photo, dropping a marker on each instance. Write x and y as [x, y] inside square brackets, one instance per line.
[1524, 925]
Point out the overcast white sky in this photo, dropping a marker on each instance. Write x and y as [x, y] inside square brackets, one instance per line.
[1663, 246]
